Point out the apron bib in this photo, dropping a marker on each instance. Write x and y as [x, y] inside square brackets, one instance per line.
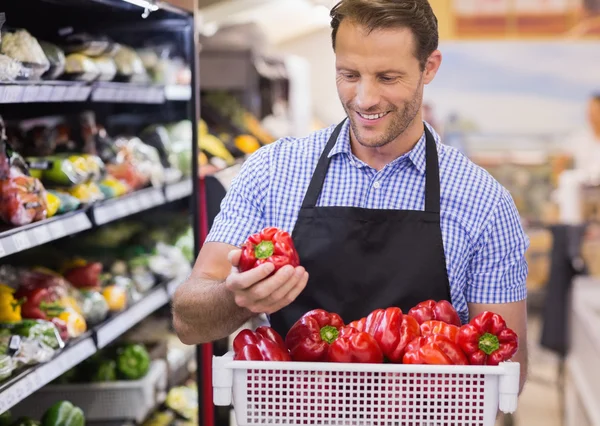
[360, 259]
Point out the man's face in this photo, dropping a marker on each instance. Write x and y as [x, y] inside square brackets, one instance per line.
[379, 81]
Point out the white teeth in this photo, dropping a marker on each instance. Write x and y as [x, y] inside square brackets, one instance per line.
[372, 116]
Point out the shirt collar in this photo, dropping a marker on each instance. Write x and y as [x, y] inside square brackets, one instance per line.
[416, 155]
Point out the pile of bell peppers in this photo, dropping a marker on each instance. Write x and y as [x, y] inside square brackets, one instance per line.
[430, 333]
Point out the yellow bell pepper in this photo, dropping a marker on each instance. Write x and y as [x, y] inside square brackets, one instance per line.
[115, 297]
[76, 324]
[10, 308]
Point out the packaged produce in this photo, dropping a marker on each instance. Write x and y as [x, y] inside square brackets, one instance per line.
[7, 366]
[271, 245]
[40, 303]
[116, 187]
[63, 329]
[391, 329]
[129, 65]
[106, 66]
[85, 276]
[116, 298]
[10, 69]
[30, 351]
[39, 330]
[354, 346]
[310, 337]
[133, 361]
[10, 307]
[80, 67]
[76, 324]
[56, 58]
[168, 262]
[67, 202]
[432, 310]
[60, 170]
[88, 44]
[263, 344]
[435, 350]
[94, 306]
[22, 200]
[25, 48]
[86, 193]
[53, 203]
[183, 400]
[63, 413]
[487, 340]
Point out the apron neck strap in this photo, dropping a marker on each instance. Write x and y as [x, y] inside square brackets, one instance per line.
[432, 173]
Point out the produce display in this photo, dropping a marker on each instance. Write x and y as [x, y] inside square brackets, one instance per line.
[62, 413]
[430, 333]
[87, 57]
[180, 408]
[43, 308]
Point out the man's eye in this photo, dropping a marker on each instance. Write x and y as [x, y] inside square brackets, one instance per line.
[350, 76]
[387, 79]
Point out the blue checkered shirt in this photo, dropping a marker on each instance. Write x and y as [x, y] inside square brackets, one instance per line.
[484, 241]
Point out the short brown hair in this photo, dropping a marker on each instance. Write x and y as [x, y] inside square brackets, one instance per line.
[416, 15]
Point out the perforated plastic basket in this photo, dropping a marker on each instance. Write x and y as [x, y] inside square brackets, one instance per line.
[336, 394]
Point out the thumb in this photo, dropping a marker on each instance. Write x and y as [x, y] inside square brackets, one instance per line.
[234, 257]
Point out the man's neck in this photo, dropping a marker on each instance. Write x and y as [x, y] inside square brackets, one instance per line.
[378, 158]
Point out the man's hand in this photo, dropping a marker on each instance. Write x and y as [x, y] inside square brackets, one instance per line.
[515, 315]
[260, 293]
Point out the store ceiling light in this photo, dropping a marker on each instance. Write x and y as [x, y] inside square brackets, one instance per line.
[144, 4]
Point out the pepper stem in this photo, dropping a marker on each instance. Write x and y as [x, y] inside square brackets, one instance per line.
[264, 249]
[489, 343]
[329, 333]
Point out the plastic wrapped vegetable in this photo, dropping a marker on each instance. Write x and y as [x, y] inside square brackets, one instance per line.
[53, 203]
[57, 60]
[129, 65]
[7, 366]
[10, 307]
[94, 306]
[10, 69]
[106, 67]
[80, 67]
[23, 47]
[39, 330]
[67, 202]
[22, 200]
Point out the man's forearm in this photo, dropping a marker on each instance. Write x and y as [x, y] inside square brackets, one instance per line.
[204, 311]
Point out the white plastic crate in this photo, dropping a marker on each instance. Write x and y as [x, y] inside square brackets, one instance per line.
[121, 400]
[336, 394]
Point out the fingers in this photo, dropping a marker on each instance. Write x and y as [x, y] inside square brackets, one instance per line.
[270, 294]
[288, 297]
[242, 281]
[234, 257]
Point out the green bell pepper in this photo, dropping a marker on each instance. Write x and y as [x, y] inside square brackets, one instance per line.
[25, 421]
[133, 362]
[106, 371]
[63, 413]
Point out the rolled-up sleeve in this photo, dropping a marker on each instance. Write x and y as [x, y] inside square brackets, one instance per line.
[498, 270]
[242, 209]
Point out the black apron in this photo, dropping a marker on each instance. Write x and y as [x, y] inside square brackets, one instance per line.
[362, 259]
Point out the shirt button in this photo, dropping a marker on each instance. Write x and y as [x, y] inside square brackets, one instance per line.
[377, 185]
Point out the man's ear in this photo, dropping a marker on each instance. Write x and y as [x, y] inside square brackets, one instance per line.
[432, 66]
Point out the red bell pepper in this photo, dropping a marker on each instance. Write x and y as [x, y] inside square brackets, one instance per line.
[432, 327]
[271, 245]
[264, 344]
[487, 340]
[355, 347]
[87, 276]
[40, 303]
[249, 337]
[432, 310]
[391, 329]
[436, 350]
[310, 337]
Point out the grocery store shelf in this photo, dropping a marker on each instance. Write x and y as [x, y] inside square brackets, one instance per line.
[20, 388]
[44, 91]
[118, 208]
[75, 91]
[38, 233]
[179, 190]
[128, 93]
[15, 240]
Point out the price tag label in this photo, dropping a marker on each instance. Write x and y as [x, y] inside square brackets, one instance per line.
[12, 94]
[44, 93]
[133, 205]
[145, 201]
[157, 198]
[81, 222]
[42, 234]
[57, 229]
[122, 209]
[21, 241]
[84, 93]
[2, 250]
[71, 94]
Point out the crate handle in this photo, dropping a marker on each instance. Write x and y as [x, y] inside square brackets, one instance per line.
[509, 387]
[222, 380]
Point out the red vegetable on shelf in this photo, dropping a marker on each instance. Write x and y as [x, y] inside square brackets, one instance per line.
[40, 303]
[432, 310]
[487, 340]
[87, 276]
[392, 330]
[271, 245]
[310, 337]
[355, 346]
[434, 350]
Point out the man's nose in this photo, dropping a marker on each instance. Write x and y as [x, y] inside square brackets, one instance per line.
[367, 95]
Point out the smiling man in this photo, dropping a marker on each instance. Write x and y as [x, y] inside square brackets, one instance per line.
[382, 213]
